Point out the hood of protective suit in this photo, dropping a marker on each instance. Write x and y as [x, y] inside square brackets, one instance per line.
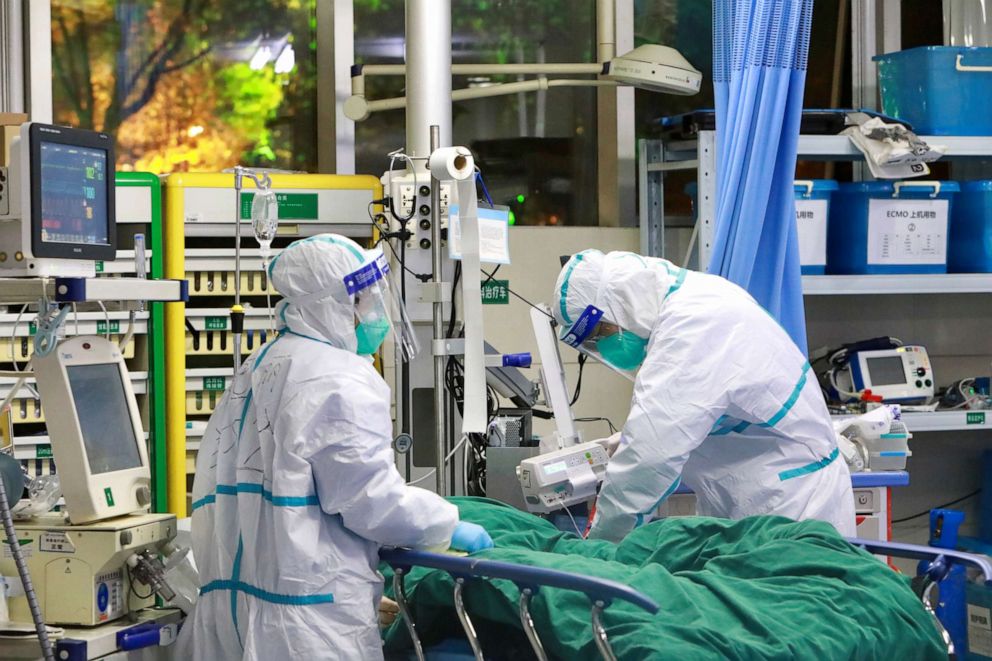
[629, 288]
[310, 276]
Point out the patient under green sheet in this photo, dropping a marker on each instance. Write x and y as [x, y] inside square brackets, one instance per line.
[760, 588]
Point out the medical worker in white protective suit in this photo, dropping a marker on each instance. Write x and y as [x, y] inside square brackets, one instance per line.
[296, 488]
[723, 399]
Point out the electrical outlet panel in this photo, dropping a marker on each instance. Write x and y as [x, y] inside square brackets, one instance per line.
[4, 192]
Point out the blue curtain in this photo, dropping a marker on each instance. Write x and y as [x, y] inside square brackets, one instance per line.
[759, 72]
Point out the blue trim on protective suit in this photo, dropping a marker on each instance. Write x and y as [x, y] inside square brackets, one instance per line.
[254, 487]
[789, 403]
[236, 578]
[265, 595]
[809, 468]
[722, 429]
[668, 492]
[679, 280]
[321, 239]
[564, 286]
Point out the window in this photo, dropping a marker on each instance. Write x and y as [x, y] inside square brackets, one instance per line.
[537, 151]
[190, 85]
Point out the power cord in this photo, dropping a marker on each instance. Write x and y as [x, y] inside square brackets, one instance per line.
[578, 383]
[938, 507]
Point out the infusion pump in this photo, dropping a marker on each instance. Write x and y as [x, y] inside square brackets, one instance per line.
[562, 478]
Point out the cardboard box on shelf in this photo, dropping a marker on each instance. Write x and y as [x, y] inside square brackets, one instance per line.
[10, 125]
[12, 118]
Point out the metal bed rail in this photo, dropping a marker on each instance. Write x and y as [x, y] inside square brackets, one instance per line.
[600, 592]
[940, 561]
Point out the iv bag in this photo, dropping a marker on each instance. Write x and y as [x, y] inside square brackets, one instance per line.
[264, 219]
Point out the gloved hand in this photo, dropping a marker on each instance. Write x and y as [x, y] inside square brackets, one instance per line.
[470, 538]
[611, 443]
[388, 611]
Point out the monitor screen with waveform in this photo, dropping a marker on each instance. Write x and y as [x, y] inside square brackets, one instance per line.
[74, 195]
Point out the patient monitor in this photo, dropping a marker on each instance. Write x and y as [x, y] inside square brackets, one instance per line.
[57, 202]
[95, 428]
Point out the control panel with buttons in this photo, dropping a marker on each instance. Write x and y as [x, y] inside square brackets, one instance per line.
[898, 375]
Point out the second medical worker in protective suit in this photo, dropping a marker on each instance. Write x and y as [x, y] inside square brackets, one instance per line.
[296, 488]
[723, 398]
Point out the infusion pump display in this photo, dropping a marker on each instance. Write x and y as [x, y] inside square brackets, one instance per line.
[902, 374]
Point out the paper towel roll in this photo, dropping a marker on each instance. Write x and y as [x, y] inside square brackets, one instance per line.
[455, 164]
[451, 163]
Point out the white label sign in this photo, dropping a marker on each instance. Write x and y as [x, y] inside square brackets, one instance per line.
[907, 231]
[811, 220]
[494, 235]
[56, 542]
[979, 630]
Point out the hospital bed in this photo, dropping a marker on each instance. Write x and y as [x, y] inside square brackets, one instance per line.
[602, 593]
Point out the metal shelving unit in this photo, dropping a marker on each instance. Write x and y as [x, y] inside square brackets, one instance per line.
[656, 157]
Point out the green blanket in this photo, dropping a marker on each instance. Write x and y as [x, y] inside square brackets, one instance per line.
[760, 588]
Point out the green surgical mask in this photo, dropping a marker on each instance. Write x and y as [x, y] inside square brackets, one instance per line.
[623, 350]
[371, 334]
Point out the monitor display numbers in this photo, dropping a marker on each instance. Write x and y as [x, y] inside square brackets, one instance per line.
[74, 195]
[887, 371]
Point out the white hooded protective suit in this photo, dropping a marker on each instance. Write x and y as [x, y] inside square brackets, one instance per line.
[724, 400]
[295, 485]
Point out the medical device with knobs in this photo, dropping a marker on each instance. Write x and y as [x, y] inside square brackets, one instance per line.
[98, 430]
[899, 375]
[563, 478]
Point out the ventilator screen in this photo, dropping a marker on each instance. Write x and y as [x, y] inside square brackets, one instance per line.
[886, 371]
[104, 417]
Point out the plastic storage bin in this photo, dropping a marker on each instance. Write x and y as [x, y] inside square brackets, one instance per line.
[879, 227]
[940, 90]
[970, 245]
[812, 213]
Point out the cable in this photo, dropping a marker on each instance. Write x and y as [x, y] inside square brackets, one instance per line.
[938, 507]
[106, 317]
[569, 512]
[13, 361]
[578, 383]
[24, 575]
[447, 458]
[393, 155]
[613, 429]
[485, 191]
[538, 308]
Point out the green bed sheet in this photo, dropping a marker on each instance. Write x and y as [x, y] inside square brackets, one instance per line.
[760, 588]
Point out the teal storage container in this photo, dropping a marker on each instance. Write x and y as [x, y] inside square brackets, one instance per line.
[940, 90]
[880, 227]
[970, 247]
[812, 219]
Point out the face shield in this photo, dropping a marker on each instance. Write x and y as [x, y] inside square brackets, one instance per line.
[378, 311]
[598, 337]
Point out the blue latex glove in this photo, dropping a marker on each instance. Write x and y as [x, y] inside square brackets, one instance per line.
[470, 538]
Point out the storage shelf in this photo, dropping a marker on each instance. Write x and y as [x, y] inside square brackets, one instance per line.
[935, 421]
[948, 421]
[841, 146]
[941, 283]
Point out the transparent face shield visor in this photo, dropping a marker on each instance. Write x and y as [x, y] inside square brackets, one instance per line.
[599, 338]
[378, 311]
